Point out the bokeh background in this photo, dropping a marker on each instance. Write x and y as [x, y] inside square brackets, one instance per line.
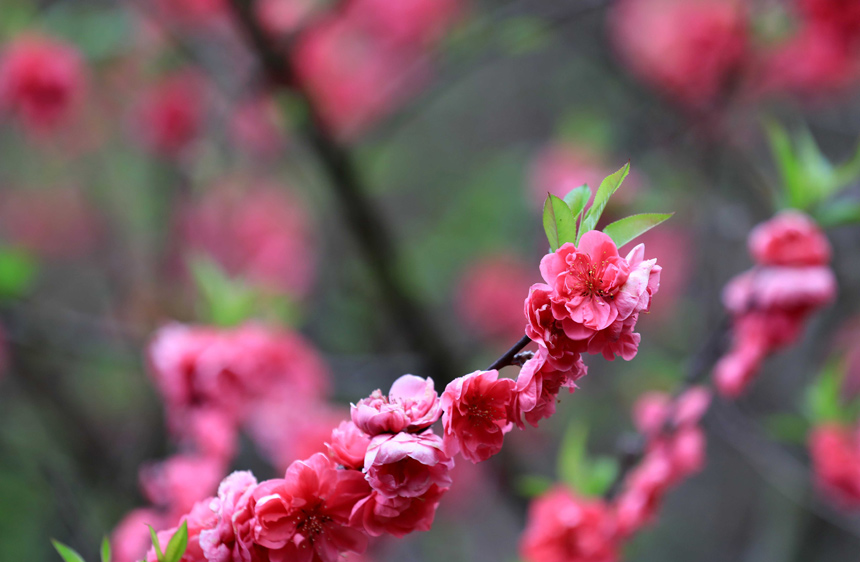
[382, 197]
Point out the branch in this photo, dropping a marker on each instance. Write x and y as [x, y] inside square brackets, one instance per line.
[368, 227]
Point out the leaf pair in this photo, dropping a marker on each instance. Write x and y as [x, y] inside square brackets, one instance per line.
[588, 476]
[68, 554]
[566, 220]
[173, 553]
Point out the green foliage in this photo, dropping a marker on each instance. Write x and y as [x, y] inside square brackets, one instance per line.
[561, 216]
[229, 302]
[787, 428]
[607, 187]
[588, 476]
[100, 33]
[559, 223]
[522, 35]
[809, 179]
[824, 400]
[17, 272]
[67, 554]
[105, 550]
[624, 230]
[159, 555]
[839, 213]
[532, 485]
[177, 544]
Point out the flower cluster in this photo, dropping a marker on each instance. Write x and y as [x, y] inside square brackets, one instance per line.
[835, 452]
[770, 303]
[169, 114]
[699, 52]
[361, 61]
[42, 82]
[213, 382]
[260, 232]
[564, 527]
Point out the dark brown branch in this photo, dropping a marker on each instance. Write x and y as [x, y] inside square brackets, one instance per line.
[368, 227]
[508, 357]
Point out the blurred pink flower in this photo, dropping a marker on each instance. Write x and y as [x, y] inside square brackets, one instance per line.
[770, 304]
[790, 238]
[643, 492]
[282, 17]
[179, 482]
[835, 453]
[411, 405]
[255, 127]
[57, 223]
[562, 527]
[42, 81]
[168, 116]
[415, 24]
[693, 52]
[407, 465]
[130, 539]
[478, 412]
[262, 233]
[488, 294]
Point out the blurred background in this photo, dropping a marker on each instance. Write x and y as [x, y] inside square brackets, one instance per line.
[369, 175]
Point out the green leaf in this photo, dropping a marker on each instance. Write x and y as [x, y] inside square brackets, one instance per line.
[105, 551]
[600, 474]
[158, 554]
[577, 199]
[823, 395]
[838, 214]
[629, 228]
[67, 553]
[787, 164]
[177, 545]
[558, 222]
[787, 428]
[532, 485]
[571, 456]
[607, 187]
[17, 272]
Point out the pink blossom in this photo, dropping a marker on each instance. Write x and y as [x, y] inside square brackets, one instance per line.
[229, 538]
[478, 411]
[200, 518]
[790, 238]
[42, 81]
[643, 492]
[305, 516]
[169, 115]
[379, 514]
[192, 13]
[212, 432]
[839, 18]
[353, 76]
[538, 385]
[594, 295]
[282, 17]
[411, 405]
[487, 297]
[262, 233]
[55, 223]
[835, 453]
[348, 445]
[414, 24]
[407, 465]
[130, 539]
[562, 527]
[255, 125]
[692, 51]
[181, 481]
[673, 248]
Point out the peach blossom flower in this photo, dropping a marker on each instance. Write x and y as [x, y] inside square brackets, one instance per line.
[407, 465]
[348, 445]
[411, 405]
[562, 527]
[398, 516]
[478, 411]
[835, 452]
